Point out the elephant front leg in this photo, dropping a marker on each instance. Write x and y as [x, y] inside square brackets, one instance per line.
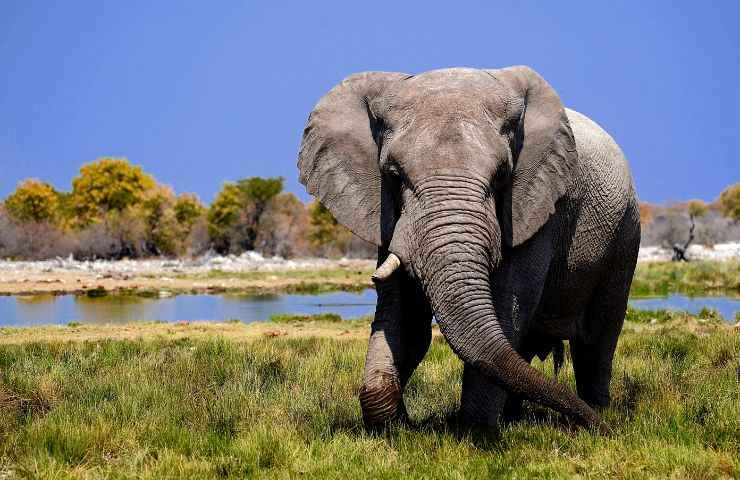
[400, 337]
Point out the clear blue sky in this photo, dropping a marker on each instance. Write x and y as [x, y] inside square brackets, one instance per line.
[202, 92]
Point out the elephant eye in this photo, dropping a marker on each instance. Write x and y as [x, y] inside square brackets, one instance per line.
[391, 168]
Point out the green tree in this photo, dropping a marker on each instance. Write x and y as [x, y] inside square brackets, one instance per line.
[235, 215]
[164, 235]
[325, 231]
[188, 209]
[257, 193]
[33, 201]
[729, 202]
[106, 185]
[223, 215]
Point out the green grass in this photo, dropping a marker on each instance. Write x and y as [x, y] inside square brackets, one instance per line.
[299, 281]
[705, 316]
[689, 278]
[282, 407]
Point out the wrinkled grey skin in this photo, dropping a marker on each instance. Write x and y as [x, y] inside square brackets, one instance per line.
[515, 220]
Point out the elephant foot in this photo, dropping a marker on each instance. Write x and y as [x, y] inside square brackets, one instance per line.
[382, 404]
[513, 410]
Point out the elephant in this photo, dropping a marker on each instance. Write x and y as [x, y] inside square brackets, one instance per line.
[508, 219]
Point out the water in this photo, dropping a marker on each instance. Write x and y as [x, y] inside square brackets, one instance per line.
[50, 310]
[61, 310]
[726, 306]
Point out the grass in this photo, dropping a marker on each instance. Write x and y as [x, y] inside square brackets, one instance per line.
[233, 400]
[651, 278]
[688, 278]
[299, 281]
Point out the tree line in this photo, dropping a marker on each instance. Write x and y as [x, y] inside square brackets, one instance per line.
[679, 224]
[117, 210]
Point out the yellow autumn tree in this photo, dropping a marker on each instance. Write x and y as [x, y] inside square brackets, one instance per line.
[729, 202]
[697, 208]
[107, 185]
[33, 201]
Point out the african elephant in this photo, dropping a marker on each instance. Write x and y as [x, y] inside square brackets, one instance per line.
[510, 220]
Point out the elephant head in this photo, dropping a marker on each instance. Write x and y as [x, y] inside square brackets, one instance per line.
[446, 170]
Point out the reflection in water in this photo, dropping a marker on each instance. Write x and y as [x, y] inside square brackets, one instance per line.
[47, 309]
[726, 306]
[42, 298]
[16, 311]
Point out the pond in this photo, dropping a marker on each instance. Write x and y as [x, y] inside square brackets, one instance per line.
[61, 310]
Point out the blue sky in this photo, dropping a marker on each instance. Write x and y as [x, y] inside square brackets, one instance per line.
[202, 92]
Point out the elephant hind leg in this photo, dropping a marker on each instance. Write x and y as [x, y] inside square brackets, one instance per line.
[593, 349]
[482, 401]
[485, 403]
[592, 365]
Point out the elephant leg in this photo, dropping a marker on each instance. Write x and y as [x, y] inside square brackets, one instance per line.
[399, 339]
[513, 409]
[482, 400]
[593, 349]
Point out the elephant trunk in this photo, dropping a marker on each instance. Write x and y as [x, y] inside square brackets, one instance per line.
[454, 263]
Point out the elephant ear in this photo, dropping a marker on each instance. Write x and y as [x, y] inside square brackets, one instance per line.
[338, 160]
[546, 161]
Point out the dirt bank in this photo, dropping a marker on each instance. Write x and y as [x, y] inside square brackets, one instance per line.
[247, 274]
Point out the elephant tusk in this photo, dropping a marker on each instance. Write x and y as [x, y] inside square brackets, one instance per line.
[389, 266]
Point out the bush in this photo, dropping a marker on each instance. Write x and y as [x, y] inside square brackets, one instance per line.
[32, 240]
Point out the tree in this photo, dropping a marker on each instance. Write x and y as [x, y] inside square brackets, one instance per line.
[697, 208]
[325, 231]
[235, 216]
[283, 230]
[257, 193]
[107, 185]
[729, 202]
[33, 201]
[188, 209]
[223, 215]
[164, 235]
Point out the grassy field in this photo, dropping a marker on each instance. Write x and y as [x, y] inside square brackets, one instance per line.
[651, 278]
[689, 278]
[280, 400]
[298, 281]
